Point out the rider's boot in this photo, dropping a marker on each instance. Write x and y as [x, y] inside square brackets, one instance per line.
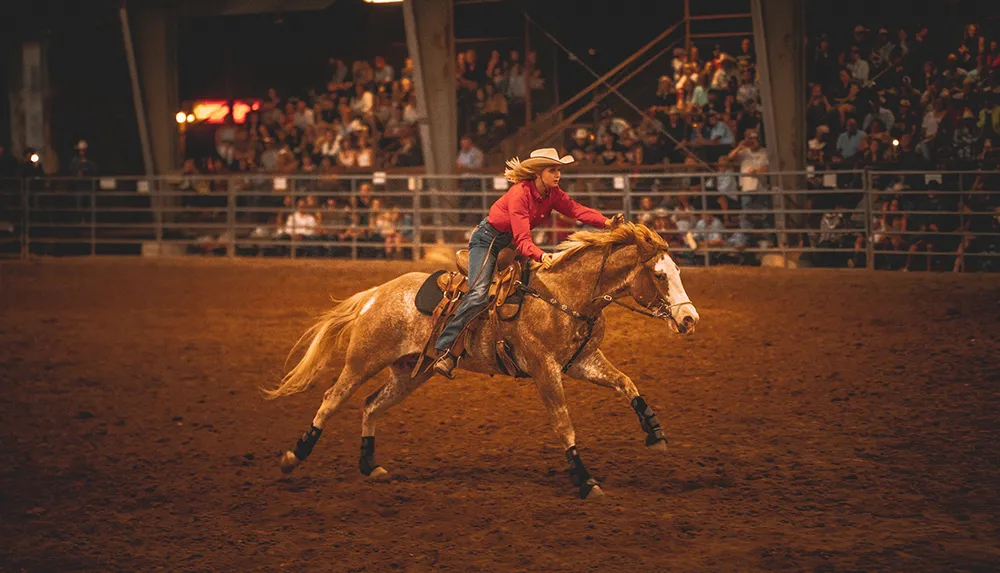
[445, 365]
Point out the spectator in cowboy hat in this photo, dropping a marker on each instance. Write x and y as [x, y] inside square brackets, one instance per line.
[817, 145]
[81, 165]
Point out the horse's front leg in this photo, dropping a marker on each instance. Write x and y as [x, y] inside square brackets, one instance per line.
[548, 379]
[598, 369]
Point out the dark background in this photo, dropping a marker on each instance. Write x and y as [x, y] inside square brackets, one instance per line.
[241, 56]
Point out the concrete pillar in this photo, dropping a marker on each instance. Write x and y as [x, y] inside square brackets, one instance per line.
[30, 103]
[154, 30]
[779, 33]
[430, 39]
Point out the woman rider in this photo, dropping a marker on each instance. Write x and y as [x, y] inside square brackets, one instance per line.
[526, 205]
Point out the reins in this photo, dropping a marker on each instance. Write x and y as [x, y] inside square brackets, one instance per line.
[590, 321]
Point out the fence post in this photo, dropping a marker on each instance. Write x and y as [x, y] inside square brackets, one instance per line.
[704, 207]
[231, 219]
[158, 201]
[93, 217]
[783, 210]
[417, 239]
[866, 184]
[626, 200]
[354, 238]
[26, 220]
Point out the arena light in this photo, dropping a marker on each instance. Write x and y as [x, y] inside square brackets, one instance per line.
[210, 111]
[181, 117]
[383, 1]
[895, 142]
[191, 118]
[242, 108]
[34, 158]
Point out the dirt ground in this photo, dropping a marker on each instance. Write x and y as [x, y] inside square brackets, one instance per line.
[818, 421]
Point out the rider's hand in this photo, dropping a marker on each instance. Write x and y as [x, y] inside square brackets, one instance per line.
[614, 221]
[547, 260]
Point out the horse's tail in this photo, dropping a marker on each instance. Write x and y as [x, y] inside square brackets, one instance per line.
[332, 331]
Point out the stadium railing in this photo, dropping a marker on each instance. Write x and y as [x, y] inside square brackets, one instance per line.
[245, 215]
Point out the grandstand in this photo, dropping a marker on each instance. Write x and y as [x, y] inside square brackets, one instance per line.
[918, 98]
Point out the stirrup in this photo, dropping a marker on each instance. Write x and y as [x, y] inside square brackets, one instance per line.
[441, 369]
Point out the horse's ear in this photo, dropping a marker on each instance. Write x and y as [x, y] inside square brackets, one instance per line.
[647, 249]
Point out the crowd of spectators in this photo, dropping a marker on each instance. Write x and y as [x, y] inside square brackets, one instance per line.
[364, 120]
[888, 100]
[700, 110]
[877, 100]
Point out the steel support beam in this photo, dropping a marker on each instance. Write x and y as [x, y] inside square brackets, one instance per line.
[430, 39]
[779, 33]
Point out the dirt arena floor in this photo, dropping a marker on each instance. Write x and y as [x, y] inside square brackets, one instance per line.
[818, 421]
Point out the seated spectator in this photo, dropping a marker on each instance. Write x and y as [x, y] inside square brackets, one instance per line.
[718, 132]
[858, 67]
[582, 149]
[709, 231]
[469, 157]
[409, 153]
[845, 93]
[300, 224]
[384, 74]
[850, 140]
[878, 112]
[610, 152]
[725, 184]
[348, 154]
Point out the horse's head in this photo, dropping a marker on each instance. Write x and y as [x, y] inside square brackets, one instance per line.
[654, 280]
[657, 286]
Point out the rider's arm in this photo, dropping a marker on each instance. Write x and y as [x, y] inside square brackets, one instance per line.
[567, 206]
[520, 225]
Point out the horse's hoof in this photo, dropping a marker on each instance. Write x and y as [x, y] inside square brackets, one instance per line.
[288, 462]
[595, 493]
[379, 474]
[657, 446]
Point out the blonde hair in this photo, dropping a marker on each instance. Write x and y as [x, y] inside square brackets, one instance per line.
[517, 171]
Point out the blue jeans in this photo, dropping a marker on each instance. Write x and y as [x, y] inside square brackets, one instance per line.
[481, 256]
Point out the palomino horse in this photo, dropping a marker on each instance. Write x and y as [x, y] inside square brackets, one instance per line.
[558, 331]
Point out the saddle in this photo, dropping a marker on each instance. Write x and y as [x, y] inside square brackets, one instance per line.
[442, 292]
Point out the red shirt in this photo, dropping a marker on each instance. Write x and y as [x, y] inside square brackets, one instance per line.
[522, 208]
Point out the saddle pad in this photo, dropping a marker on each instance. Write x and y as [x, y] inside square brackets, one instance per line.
[429, 294]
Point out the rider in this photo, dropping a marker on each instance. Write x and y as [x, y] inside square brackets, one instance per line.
[525, 205]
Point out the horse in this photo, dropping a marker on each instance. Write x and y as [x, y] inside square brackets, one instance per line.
[557, 332]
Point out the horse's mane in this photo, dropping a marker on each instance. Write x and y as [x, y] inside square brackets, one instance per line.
[624, 234]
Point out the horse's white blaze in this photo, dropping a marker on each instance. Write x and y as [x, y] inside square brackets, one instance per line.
[367, 306]
[664, 265]
[678, 295]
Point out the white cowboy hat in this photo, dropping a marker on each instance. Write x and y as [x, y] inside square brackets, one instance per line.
[546, 157]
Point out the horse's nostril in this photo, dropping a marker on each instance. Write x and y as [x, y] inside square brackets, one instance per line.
[688, 320]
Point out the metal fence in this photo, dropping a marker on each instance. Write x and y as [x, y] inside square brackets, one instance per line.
[841, 218]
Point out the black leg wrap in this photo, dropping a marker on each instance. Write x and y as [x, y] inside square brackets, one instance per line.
[304, 446]
[578, 474]
[366, 463]
[648, 421]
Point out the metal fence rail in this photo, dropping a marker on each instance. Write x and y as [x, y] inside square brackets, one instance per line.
[859, 218]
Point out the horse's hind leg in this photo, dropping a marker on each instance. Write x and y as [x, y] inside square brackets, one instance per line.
[597, 369]
[357, 370]
[377, 403]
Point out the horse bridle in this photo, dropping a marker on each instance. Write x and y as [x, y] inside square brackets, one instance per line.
[662, 311]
